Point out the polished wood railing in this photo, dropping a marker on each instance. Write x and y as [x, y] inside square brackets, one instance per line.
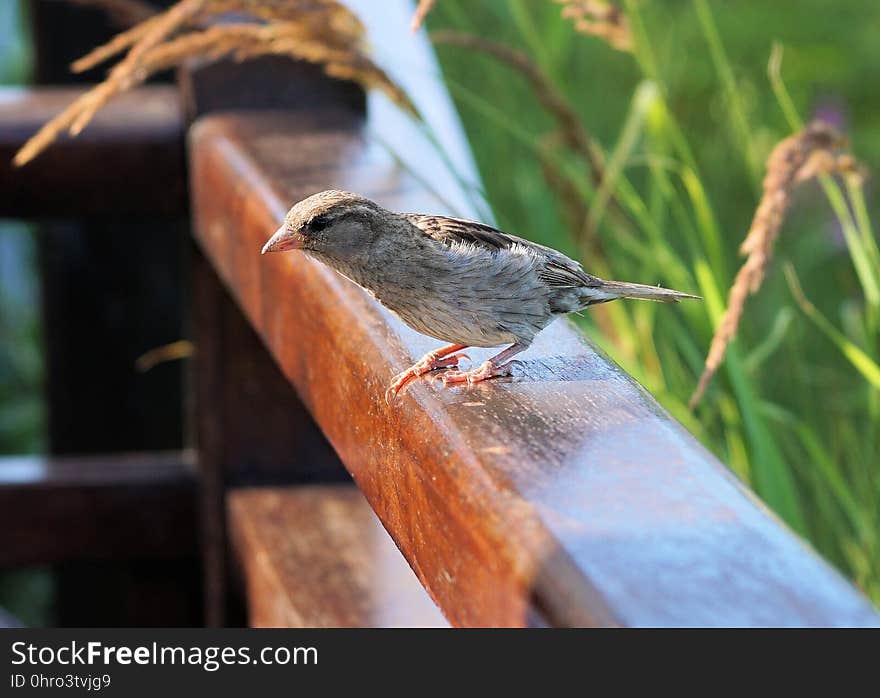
[563, 496]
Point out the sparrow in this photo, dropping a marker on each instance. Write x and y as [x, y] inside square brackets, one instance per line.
[459, 281]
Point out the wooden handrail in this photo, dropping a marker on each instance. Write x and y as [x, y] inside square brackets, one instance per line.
[565, 495]
[111, 169]
[131, 506]
[315, 556]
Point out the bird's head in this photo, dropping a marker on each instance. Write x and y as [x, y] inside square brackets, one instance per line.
[334, 224]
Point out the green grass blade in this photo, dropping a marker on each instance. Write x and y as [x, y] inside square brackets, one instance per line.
[858, 358]
[731, 92]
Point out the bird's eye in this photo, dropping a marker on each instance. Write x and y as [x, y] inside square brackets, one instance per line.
[318, 223]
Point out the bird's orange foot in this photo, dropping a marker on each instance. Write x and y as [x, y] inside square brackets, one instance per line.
[430, 362]
[485, 371]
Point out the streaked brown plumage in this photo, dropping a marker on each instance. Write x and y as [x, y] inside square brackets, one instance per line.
[459, 281]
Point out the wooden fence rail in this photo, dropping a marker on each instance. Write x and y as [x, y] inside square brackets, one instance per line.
[110, 170]
[106, 507]
[562, 496]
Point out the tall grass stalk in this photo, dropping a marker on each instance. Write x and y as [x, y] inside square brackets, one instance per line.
[795, 410]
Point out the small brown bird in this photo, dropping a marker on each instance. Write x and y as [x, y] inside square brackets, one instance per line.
[459, 281]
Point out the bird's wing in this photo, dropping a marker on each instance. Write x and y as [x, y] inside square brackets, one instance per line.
[458, 230]
[556, 269]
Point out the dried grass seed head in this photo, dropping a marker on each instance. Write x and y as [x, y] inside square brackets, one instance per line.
[324, 32]
[805, 155]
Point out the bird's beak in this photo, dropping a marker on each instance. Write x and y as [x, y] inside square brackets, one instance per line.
[282, 240]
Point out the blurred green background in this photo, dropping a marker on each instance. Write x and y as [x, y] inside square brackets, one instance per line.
[27, 593]
[690, 119]
[21, 409]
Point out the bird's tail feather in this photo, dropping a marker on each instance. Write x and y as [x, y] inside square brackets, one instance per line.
[611, 290]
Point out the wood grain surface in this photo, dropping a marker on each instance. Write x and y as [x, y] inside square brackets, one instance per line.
[129, 160]
[317, 557]
[563, 495]
[249, 424]
[129, 506]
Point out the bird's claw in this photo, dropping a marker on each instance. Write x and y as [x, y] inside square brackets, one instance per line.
[426, 365]
[448, 361]
[390, 394]
[485, 371]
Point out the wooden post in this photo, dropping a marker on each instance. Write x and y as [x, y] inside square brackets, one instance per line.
[250, 427]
